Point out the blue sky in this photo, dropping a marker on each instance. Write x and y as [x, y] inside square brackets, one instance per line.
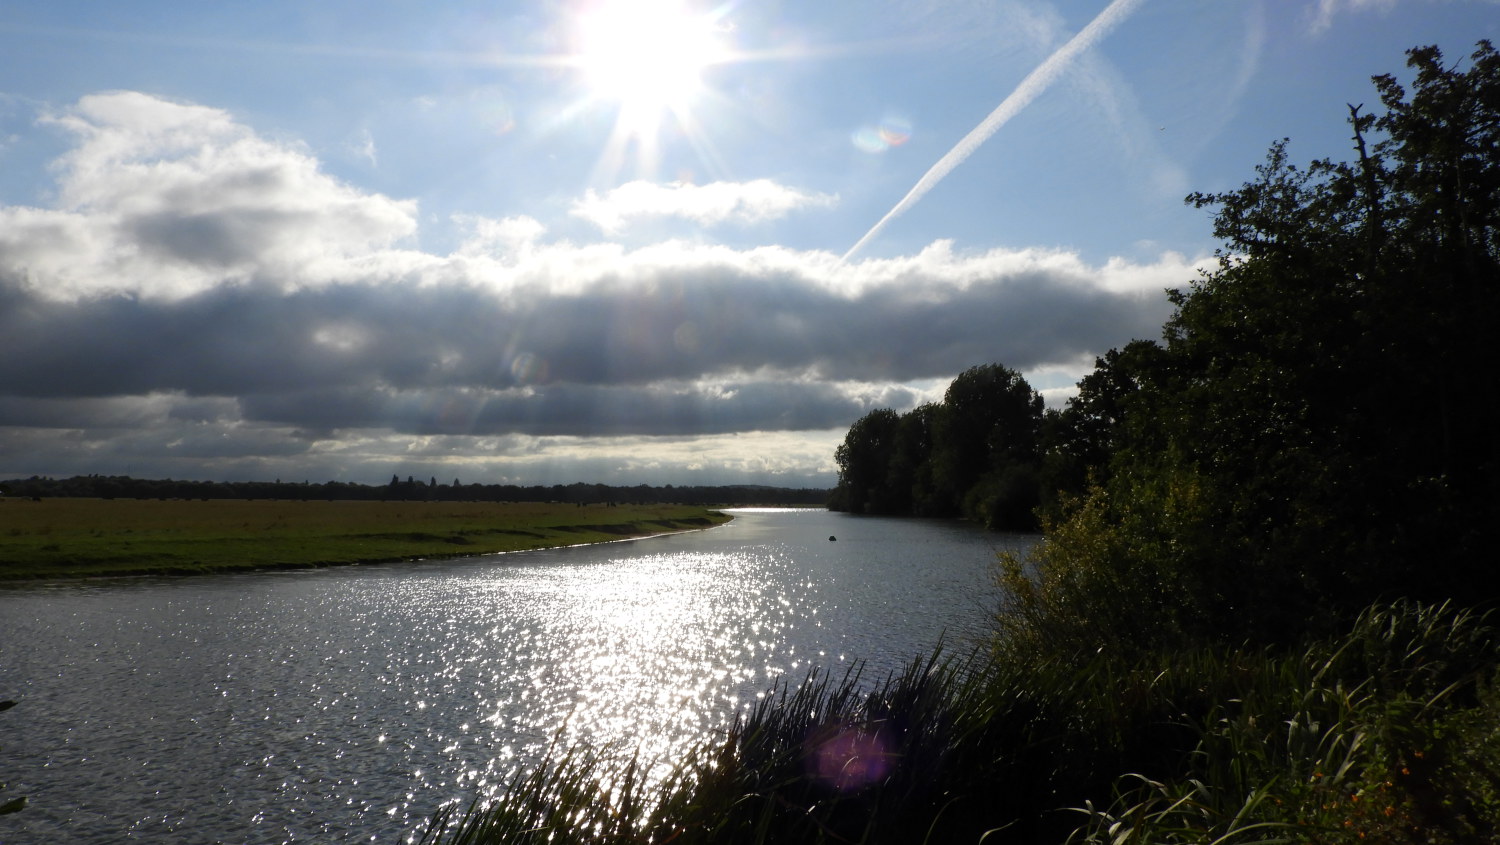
[501, 242]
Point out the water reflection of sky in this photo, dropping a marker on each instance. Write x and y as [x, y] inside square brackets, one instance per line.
[346, 704]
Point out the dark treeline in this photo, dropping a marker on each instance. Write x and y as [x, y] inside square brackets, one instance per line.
[1315, 429]
[410, 489]
[976, 454]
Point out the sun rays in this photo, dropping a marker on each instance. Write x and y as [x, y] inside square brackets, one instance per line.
[646, 59]
[648, 56]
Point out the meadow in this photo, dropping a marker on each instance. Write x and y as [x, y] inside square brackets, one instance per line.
[92, 537]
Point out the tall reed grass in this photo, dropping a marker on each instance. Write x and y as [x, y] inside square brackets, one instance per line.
[1388, 733]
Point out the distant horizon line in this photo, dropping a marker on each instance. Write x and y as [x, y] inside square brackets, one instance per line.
[411, 479]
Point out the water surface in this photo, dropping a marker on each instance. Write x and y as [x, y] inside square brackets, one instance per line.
[345, 704]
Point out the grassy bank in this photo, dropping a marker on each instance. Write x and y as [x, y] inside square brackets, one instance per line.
[87, 537]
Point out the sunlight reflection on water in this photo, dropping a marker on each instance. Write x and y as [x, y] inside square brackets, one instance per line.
[347, 704]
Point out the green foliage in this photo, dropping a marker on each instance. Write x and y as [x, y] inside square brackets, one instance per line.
[1322, 390]
[1387, 734]
[1315, 433]
[1115, 576]
[976, 455]
[1080, 440]
[577, 796]
[864, 459]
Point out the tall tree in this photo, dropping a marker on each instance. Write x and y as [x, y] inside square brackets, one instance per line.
[976, 454]
[987, 446]
[1318, 429]
[864, 460]
[1334, 384]
[1079, 441]
[911, 466]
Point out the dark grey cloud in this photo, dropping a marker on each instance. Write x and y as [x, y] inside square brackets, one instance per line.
[167, 447]
[581, 410]
[705, 323]
[216, 240]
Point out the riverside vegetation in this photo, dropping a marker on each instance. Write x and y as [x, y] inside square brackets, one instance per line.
[1260, 610]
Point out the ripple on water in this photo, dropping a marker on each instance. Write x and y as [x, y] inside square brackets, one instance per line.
[347, 704]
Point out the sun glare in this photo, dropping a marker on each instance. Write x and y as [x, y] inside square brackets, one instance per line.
[648, 56]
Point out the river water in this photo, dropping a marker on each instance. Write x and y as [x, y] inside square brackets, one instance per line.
[346, 704]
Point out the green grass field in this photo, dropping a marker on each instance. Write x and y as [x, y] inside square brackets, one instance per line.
[88, 537]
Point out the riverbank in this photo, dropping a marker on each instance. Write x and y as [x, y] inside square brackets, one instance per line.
[67, 538]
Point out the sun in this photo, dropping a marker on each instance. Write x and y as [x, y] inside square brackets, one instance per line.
[647, 56]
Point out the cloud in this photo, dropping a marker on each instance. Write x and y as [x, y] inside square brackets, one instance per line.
[204, 302]
[1325, 10]
[363, 147]
[248, 452]
[713, 204]
[657, 409]
[166, 200]
[490, 237]
[564, 314]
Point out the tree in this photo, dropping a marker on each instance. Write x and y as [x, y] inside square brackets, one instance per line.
[910, 476]
[1332, 382]
[1079, 441]
[864, 461]
[987, 442]
[1316, 431]
[976, 454]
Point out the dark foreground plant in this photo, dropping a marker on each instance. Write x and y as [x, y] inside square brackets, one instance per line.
[829, 760]
[1391, 731]
[1390, 734]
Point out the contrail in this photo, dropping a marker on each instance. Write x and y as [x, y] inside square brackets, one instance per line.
[1035, 83]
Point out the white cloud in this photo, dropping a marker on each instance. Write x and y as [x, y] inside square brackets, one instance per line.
[1325, 10]
[166, 200]
[508, 237]
[750, 202]
[363, 147]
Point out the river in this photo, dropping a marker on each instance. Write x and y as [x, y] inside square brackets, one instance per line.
[346, 704]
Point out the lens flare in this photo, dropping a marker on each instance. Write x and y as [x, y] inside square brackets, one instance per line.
[528, 368]
[849, 757]
[891, 132]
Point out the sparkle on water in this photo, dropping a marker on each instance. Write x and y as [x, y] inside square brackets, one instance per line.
[347, 704]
